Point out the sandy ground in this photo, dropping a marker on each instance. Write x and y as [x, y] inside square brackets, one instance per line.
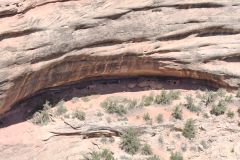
[30, 136]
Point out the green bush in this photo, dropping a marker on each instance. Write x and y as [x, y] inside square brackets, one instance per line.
[208, 98]
[219, 109]
[119, 105]
[114, 105]
[176, 156]
[189, 130]
[238, 93]
[205, 115]
[43, 116]
[74, 99]
[107, 155]
[175, 95]
[177, 112]
[238, 111]
[228, 99]
[221, 92]
[125, 157]
[61, 109]
[99, 114]
[79, 115]
[148, 100]
[106, 140]
[190, 104]
[159, 118]
[102, 155]
[164, 98]
[132, 104]
[147, 150]
[153, 158]
[160, 140]
[230, 114]
[146, 117]
[130, 142]
[86, 99]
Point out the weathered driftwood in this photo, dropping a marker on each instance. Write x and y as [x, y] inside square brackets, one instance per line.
[95, 131]
[91, 132]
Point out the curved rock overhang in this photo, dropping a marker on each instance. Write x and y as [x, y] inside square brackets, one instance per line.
[75, 40]
[76, 68]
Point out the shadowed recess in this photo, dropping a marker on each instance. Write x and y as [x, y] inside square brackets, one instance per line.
[24, 109]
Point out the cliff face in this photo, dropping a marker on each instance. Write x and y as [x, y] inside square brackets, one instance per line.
[47, 43]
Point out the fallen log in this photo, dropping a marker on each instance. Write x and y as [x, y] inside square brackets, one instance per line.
[94, 131]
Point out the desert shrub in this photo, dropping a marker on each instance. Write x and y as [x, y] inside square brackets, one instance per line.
[153, 158]
[74, 99]
[176, 156]
[175, 95]
[106, 140]
[118, 105]
[219, 109]
[228, 99]
[107, 155]
[43, 116]
[184, 147]
[132, 104]
[189, 130]
[79, 115]
[146, 117]
[205, 115]
[159, 118]
[238, 93]
[177, 112]
[99, 114]
[230, 114]
[148, 100]
[94, 156]
[147, 150]
[103, 139]
[85, 99]
[160, 140]
[61, 109]
[122, 118]
[130, 142]
[209, 97]
[124, 157]
[102, 155]
[114, 105]
[164, 98]
[238, 111]
[111, 140]
[190, 104]
[221, 92]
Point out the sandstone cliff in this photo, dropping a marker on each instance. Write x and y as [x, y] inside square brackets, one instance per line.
[47, 43]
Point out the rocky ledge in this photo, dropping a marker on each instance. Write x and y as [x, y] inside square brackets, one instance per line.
[48, 43]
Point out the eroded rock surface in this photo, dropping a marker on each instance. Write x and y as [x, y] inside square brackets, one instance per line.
[47, 43]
